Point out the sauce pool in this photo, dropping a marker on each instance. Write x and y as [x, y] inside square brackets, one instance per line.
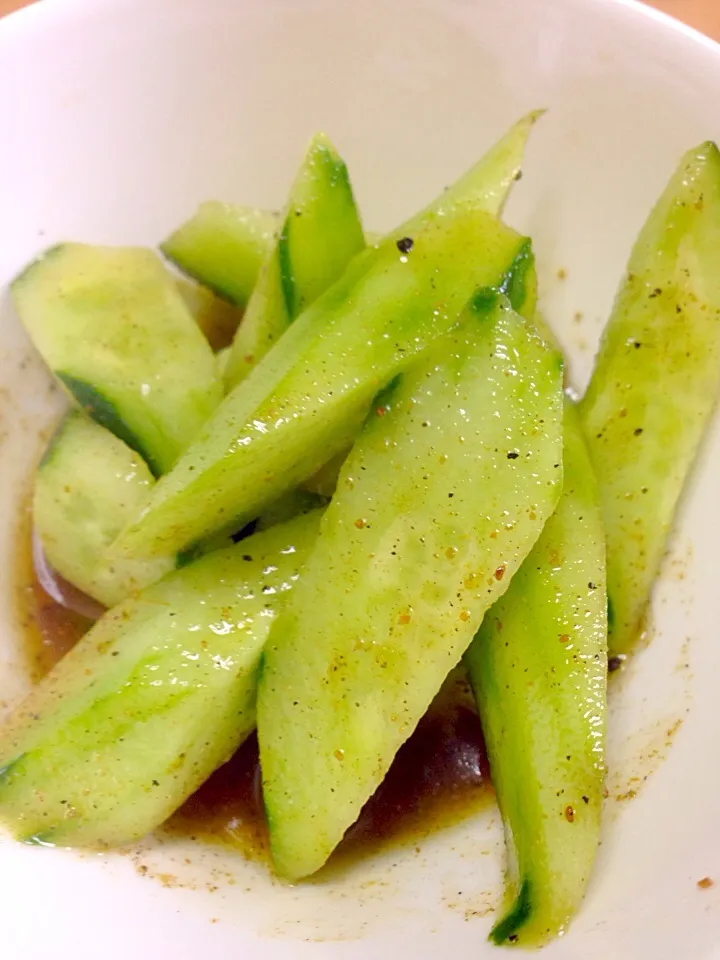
[439, 777]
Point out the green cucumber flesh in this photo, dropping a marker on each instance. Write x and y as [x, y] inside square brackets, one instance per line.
[157, 695]
[266, 320]
[487, 183]
[520, 285]
[538, 666]
[87, 488]
[306, 399]
[655, 383]
[444, 493]
[222, 247]
[112, 327]
[320, 233]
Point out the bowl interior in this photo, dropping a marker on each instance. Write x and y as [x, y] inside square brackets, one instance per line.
[123, 116]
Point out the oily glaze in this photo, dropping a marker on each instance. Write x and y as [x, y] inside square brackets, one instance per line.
[439, 777]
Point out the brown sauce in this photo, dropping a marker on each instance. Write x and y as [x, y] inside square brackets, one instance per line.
[217, 319]
[439, 777]
[49, 629]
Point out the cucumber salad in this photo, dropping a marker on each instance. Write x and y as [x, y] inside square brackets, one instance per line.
[381, 477]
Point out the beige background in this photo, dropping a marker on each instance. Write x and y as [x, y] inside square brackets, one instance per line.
[703, 14]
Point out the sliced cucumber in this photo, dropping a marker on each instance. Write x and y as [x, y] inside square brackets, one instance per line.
[539, 669]
[111, 325]
[487, 184]
[156, 696]
[656, 383]
[222, 247]
[320, 233]
[87, 487]
[441, 498]
[306, 399]
[265, 321]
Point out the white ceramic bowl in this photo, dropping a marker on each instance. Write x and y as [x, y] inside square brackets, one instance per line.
[116, 119]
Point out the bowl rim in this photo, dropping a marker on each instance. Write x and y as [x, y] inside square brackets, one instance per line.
[35, 20]
[36, 11]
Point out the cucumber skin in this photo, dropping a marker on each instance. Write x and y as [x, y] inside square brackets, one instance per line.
[320, 234]
[155, 697]
[655, 384]
[520, 286]
[287, 285]
[307, 398]
[111, 324]
[542, 703]
[322, 231]
[222, 247]
[88, 486]
[484, 189]
[104, 412]
[429, 523]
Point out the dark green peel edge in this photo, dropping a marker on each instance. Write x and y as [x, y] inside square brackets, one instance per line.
[515, 919]
[50, 450]
[383, 398]
[610, 614]
[46, 255]
[185, 557]
[483, 301]
[287, 279]
[340, 175]
[514, 286]
[178, 260]
[103, 411]
[338, 171]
